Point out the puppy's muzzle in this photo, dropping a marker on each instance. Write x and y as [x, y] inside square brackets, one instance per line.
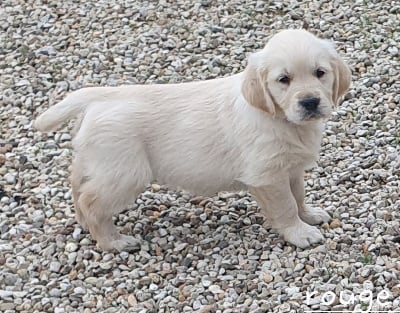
[310, 104]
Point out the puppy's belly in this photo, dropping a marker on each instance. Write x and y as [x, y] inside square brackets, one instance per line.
[199, 181]
[200, 165]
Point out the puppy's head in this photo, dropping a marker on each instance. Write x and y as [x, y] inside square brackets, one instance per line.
[297, 77]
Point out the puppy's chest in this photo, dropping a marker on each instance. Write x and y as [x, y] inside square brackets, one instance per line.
[286, 150]
[294, 154]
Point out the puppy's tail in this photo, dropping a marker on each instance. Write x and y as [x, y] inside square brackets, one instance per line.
[73, 105]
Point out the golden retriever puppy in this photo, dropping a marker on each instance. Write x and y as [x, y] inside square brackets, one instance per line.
[257, 130]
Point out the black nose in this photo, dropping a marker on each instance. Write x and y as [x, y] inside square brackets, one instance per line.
[310, 104]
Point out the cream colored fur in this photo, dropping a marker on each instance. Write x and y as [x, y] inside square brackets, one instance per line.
[243, 131]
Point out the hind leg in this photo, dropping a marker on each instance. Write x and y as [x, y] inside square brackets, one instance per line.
[112, 184]
[102, 228]
[76, 181]
[113, 168]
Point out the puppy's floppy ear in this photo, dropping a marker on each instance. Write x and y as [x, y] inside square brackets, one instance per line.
[254, 88]
[342, 78]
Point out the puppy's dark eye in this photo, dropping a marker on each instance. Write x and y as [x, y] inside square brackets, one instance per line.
[319, 73]
[284, 79]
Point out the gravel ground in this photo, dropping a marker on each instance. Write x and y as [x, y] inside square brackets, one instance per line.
[202, 254]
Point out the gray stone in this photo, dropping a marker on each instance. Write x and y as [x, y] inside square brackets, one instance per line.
[55, 266]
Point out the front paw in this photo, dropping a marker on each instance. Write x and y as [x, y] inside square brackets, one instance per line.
[314, 216]
[301, 234]
[120, 243]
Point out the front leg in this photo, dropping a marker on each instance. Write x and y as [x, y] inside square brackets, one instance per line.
[279, 206]
[312, 216]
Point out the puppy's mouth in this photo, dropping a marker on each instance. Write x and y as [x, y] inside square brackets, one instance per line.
[312, 116]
